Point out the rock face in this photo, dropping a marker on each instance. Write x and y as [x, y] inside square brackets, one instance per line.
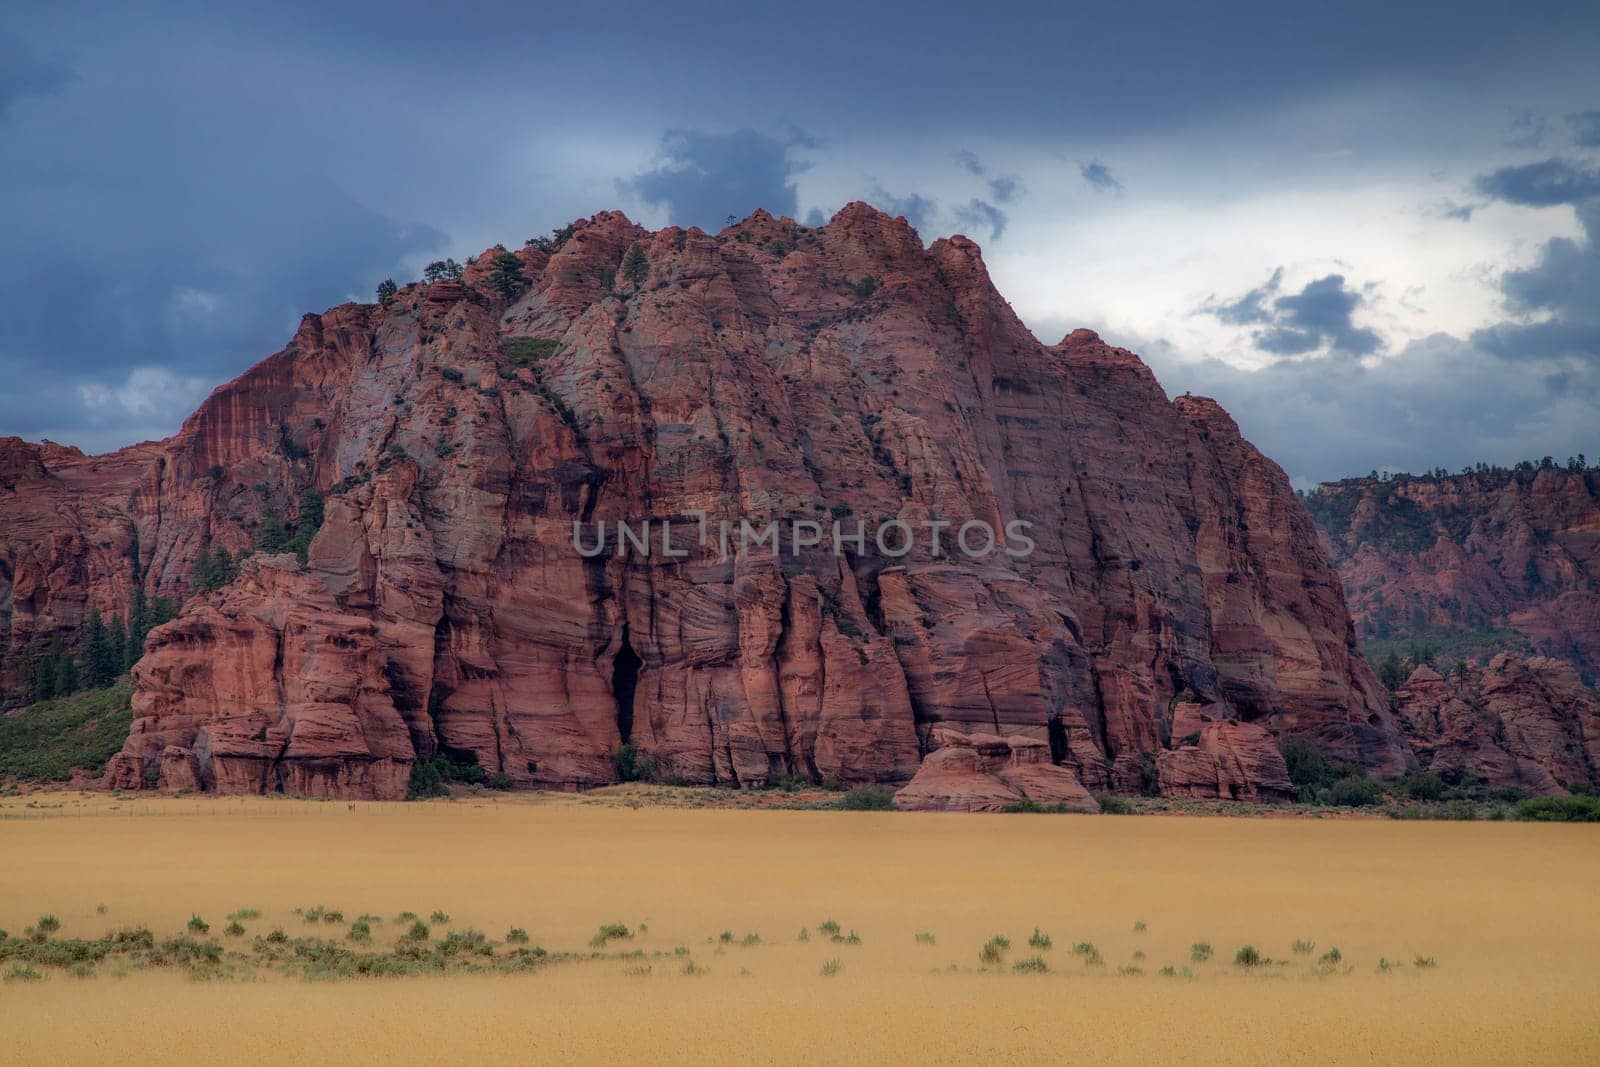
[1174, 615]
[1524, 723]
[1476, 562]
[985, 772]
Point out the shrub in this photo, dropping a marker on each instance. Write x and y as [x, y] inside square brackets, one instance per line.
[245, 914]
[634, 766]
[360, 930]
[334, 916]
[1424, 962]
[46, 741]
[610, 932]
[868, 798]
[234, 929]
[1302, 947]
[418, 932]
[198, 925]
[1139, 926]
[1039, 939]
[829, 928]
[994, 950]
[528, 351]
[831, 968]
[21, 972]
[47, 924]
[925, 938]
[1558, 809]
[1111, 804]
[438, 917]
[1247, 957]
[1200, 951]
[1031, 965]
[1420, 786]
[1354, 792]
[1331, 958]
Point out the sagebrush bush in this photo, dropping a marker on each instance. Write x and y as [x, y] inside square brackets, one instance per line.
[610, 932]
[868, 798]
[1247, 956]
[1577, 808]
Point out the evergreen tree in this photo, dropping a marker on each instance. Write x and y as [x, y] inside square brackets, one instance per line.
[307, 522]
[387, 291]
[99, 666]
[66, 669]
[134, 647]
[117, 645]
[442, 269]
[49, 673]
[635, 267]
[204, 575]
[270, 536]
[505, 274]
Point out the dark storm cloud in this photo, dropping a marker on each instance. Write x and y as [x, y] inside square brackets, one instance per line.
[1585, 128]
[1318, 316]
[24, 72]
[1527, 130]
[917, 209]
[179, 181]
[1543, 184]
[1002, 189]
[1562, 287]
[977, 213]
[705, 177]
[1439, 401]
[1099, 175]
[1249, 309]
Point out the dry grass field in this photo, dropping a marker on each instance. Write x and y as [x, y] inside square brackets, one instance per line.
[1507, 910]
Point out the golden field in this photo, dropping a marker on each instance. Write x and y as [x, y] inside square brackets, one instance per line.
[1508, 910]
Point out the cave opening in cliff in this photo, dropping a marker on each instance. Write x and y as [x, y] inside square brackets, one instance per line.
[1058, 740]
[624, 680]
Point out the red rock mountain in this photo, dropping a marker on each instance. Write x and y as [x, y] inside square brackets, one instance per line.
[1175, 616]
[1524, 723]
[1473, 563]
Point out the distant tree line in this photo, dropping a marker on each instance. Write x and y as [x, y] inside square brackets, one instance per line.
[106, 650]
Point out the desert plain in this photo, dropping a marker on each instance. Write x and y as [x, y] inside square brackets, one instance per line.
[717, 969]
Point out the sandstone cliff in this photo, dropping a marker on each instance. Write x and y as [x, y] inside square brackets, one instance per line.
[1521, 723]
[1174, 618]
[1473, 563]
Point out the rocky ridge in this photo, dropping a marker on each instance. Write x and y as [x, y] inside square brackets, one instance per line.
[1175, 617]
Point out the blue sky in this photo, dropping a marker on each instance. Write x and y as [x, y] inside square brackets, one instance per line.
[1371, 230]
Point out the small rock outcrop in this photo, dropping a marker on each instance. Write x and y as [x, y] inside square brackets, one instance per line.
[1526, 723]
[988, 773]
